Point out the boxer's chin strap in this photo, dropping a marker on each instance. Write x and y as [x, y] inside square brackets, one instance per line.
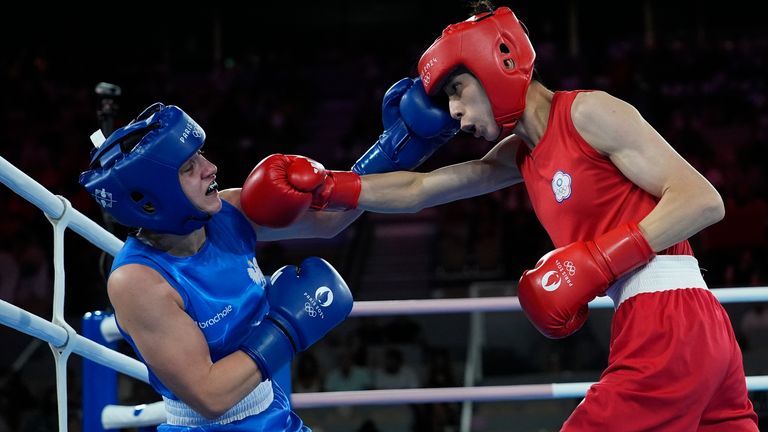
[504, 134]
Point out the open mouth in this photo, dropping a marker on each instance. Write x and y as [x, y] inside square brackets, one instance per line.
[212, 187]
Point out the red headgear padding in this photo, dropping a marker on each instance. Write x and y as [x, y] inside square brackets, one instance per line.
[494, 47]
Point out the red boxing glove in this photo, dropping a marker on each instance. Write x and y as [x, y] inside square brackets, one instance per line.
[554, 295]
[282, 188]
[339, 191]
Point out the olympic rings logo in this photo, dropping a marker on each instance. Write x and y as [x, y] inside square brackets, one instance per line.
[570, 267]
[309, 309]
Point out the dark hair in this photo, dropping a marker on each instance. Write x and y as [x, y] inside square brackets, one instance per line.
[480, 6]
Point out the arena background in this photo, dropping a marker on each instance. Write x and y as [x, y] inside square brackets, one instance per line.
[308, 79]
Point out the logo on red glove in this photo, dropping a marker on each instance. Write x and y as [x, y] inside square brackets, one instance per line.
[550, 281]
[553, 278]
[570, 267]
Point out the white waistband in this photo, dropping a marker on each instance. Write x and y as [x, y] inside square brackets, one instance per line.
[180, 414]
[663, 273]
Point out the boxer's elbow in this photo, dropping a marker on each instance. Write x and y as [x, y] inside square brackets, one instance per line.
[208, 405]
[704, 208]
[711, 208]
[211, 412]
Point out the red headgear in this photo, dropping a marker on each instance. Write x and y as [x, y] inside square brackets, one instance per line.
[494, 47]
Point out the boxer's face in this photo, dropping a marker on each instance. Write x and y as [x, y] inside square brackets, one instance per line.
[469, 104]
[198, 181]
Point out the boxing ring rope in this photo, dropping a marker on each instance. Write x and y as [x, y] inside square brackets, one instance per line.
[483, 304]
[64, 340]
[116, 416]
[61, 337]
[54, 207]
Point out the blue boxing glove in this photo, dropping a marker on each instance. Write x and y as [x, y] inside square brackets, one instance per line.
[414, 128]
[305, 303]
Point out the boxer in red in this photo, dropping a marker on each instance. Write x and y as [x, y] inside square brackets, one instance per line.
[619, 204]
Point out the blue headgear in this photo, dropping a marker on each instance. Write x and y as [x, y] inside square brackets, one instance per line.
[134, 174]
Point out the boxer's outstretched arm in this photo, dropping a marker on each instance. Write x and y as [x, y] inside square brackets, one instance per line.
[400, 192]
[407, 192]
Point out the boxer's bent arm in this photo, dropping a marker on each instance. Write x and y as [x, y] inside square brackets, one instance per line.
[407, 192]
[687, 203]
[173, 346]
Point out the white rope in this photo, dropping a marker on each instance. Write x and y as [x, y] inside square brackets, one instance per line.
[62, 216]
[483, 304]
[457, 394]
[120, 416]
[53, 207]
[509, 303]
[61, 353]
[31, 324]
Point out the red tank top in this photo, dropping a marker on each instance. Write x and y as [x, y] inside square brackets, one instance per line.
[576, 192]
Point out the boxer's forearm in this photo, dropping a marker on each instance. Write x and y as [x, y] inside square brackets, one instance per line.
[407, 192]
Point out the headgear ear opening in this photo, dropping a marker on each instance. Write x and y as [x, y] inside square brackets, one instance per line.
[134, 174]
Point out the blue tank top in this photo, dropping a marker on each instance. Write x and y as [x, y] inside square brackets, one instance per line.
[221, 285]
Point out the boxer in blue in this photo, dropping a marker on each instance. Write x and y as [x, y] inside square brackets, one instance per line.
[188, 293]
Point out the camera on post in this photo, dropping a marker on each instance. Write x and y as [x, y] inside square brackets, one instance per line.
[108, 95]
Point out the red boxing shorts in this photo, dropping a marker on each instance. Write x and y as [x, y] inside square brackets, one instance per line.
[674, 363]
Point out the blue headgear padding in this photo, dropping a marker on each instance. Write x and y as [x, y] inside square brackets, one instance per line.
[134, 174]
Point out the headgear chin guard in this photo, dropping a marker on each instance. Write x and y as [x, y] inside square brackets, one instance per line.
[495, 48]
[134, 174]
